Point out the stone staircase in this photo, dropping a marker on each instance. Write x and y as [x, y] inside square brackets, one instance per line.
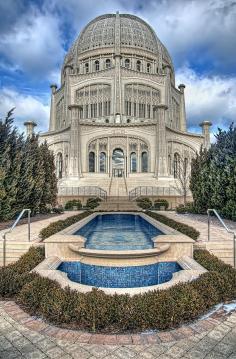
[14, 250]
[223, 250]
[114, 203]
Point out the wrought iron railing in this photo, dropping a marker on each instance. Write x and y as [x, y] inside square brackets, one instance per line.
[152, 191]
[227, 229]
[83, 191]
[11, 229]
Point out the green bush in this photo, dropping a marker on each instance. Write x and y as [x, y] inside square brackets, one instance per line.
[14, 276]
[181, 227]
[159, 309]
[93, 202]
[97, 311]
[188, 208]
[158, 203]
[74, 203]
[58, 210]
[58, 226]
[144, 202]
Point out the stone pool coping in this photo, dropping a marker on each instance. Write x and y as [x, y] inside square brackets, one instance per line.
[68, 246]
[48, 269]
[216, 323]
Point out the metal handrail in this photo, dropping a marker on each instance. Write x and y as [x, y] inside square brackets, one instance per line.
[227, 229]
[83, 191]
[11, 229]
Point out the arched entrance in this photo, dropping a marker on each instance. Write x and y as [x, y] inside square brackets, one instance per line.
[118, 162]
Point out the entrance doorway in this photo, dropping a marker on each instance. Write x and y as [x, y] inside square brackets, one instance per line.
[118, 162]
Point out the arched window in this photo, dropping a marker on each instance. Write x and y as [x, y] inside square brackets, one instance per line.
[144, 162]
[59, 165]
[86, 67]
[157, 69]
[107, 120]
[108, 63]
[96, 65]
[176, 165]
[102, 162]
[138, 65]
[91, 162]
[133, 162]
[127, 63]
[148, 67]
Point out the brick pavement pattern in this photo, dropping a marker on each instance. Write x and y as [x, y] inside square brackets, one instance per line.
[22, 336]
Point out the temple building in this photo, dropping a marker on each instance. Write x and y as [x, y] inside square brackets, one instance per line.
[118, 112]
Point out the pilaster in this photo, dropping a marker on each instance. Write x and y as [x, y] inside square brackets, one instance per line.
[75, 143]
[161, 169]
[206, 133]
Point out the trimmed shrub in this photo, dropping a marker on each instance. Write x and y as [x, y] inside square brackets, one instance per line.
[98, 312]
[188, 208]
[158, 203]
[144, 202]
[58, 210]
[93, 202]
[58, 226]
[181, 227]
[14, 276]
[74, 203]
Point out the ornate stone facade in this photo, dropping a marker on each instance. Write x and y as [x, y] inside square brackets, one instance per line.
[118, 108]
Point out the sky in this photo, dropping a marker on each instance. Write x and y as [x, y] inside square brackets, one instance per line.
[200, 36]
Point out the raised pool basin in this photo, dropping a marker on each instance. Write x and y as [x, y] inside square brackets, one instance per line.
[120, 277]
[118, 232]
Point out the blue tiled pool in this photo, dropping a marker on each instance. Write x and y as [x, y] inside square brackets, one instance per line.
[120, 277]
[118, 232]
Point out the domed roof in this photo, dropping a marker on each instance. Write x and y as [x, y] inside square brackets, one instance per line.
[133, 32]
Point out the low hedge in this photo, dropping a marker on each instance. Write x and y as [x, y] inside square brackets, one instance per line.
[93, 202]
[144, 202]
[14, 276]
[181, 227]
[161, 202]
[97, 311]
[74, 203]
[58, 226]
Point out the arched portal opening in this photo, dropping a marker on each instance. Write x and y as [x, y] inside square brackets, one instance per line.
[118, 162]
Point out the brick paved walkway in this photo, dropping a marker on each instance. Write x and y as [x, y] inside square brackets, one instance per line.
[22, 336]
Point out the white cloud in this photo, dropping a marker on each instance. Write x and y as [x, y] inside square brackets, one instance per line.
[33, 44]
[208, 98]
[27, 107]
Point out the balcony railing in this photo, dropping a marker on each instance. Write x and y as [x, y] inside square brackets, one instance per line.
[83, 191]
[152, 191]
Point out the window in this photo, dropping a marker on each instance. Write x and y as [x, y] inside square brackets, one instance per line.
[91, 162]
[87, 67]
[148, 67]
[59, 165]
[176, 165]
[157, 70]
[138, 65]
[144, 162]
[127, 63]
[96, 65]
[185, 166]
[108, 63]
[133, 162]
[102, 162]
[169, 165]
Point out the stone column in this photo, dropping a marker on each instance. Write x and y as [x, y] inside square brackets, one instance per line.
[117, 58]
[182, 108]
[206, 133]
[67, 95]
[29, 126]
[161, 169]
[75, 143]
[52, 124]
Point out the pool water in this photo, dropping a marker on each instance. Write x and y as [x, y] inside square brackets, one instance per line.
[118, 232]
[120, 277]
